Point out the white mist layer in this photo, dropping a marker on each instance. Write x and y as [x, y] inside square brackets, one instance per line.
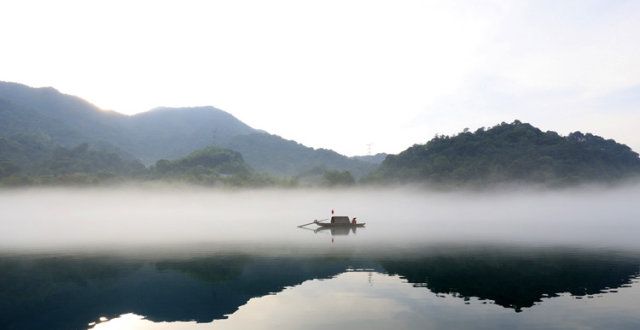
[122, 217]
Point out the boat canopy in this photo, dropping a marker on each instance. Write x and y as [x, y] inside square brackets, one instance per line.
[339, 219]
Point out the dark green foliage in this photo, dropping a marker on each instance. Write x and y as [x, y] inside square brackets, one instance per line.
[32, 159]
[338, 178]
[29, 161]
[25, 151]
[7, 168]
[212, 166]
[207, 165]
[82, 159]
[516, 152]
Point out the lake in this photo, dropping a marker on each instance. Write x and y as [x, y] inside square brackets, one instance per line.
[193, 258]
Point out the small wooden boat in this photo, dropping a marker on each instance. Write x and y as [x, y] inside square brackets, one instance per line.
[339, 221]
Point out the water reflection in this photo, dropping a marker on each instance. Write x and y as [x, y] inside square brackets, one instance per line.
[515, 277]
[71, 291]
[334, 231]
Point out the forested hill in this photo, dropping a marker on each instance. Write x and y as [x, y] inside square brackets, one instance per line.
[511, 153]
[171, 133]
[41, 126]
[273, 154]
[163, 133]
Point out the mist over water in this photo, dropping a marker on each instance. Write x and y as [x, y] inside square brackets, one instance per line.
[124, 217]
[189, 257]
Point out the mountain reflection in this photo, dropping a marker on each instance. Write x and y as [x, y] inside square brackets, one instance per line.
[70, 291]
[516, 278]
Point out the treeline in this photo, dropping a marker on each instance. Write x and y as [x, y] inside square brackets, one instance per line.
[503, 154]
[212, 166]
[511, 153]
[34, 160]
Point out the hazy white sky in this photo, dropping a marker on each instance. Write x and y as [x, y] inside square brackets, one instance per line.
[342, 74]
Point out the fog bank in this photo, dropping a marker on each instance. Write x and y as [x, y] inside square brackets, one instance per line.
[129, 218]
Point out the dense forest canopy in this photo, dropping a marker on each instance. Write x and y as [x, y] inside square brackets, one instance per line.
[33, 159]
[515, 152]
[30, 160]
[209, 166]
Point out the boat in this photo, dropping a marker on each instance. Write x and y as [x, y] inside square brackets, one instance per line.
[339, 221]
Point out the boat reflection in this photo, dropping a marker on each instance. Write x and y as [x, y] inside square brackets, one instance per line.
[334, 231]
[338, 231]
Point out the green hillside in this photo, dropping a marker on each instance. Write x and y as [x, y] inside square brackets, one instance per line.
[47, 134]
[516, 152]
[273, 154]
[162, 133]
[211, 166]
[34, 159]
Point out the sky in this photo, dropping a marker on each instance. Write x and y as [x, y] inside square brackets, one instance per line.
[353, 76]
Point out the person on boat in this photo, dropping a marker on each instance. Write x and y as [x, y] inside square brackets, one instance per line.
[353, 222]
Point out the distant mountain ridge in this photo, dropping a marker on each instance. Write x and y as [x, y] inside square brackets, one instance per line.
[66, 119]
[170, 133]
[161, 133]
[41, 127]
[374, 159]
[275, 154]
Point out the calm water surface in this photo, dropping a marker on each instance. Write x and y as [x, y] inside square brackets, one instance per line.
[196, 259]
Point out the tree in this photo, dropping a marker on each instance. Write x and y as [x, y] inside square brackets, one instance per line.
[338, 178]
[516, 152]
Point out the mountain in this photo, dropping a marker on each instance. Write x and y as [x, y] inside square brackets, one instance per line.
[376, 159]
[24, 153]
[516, 152]
[162, 133]
[66, 119]
[273, 154]
[170, 133]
